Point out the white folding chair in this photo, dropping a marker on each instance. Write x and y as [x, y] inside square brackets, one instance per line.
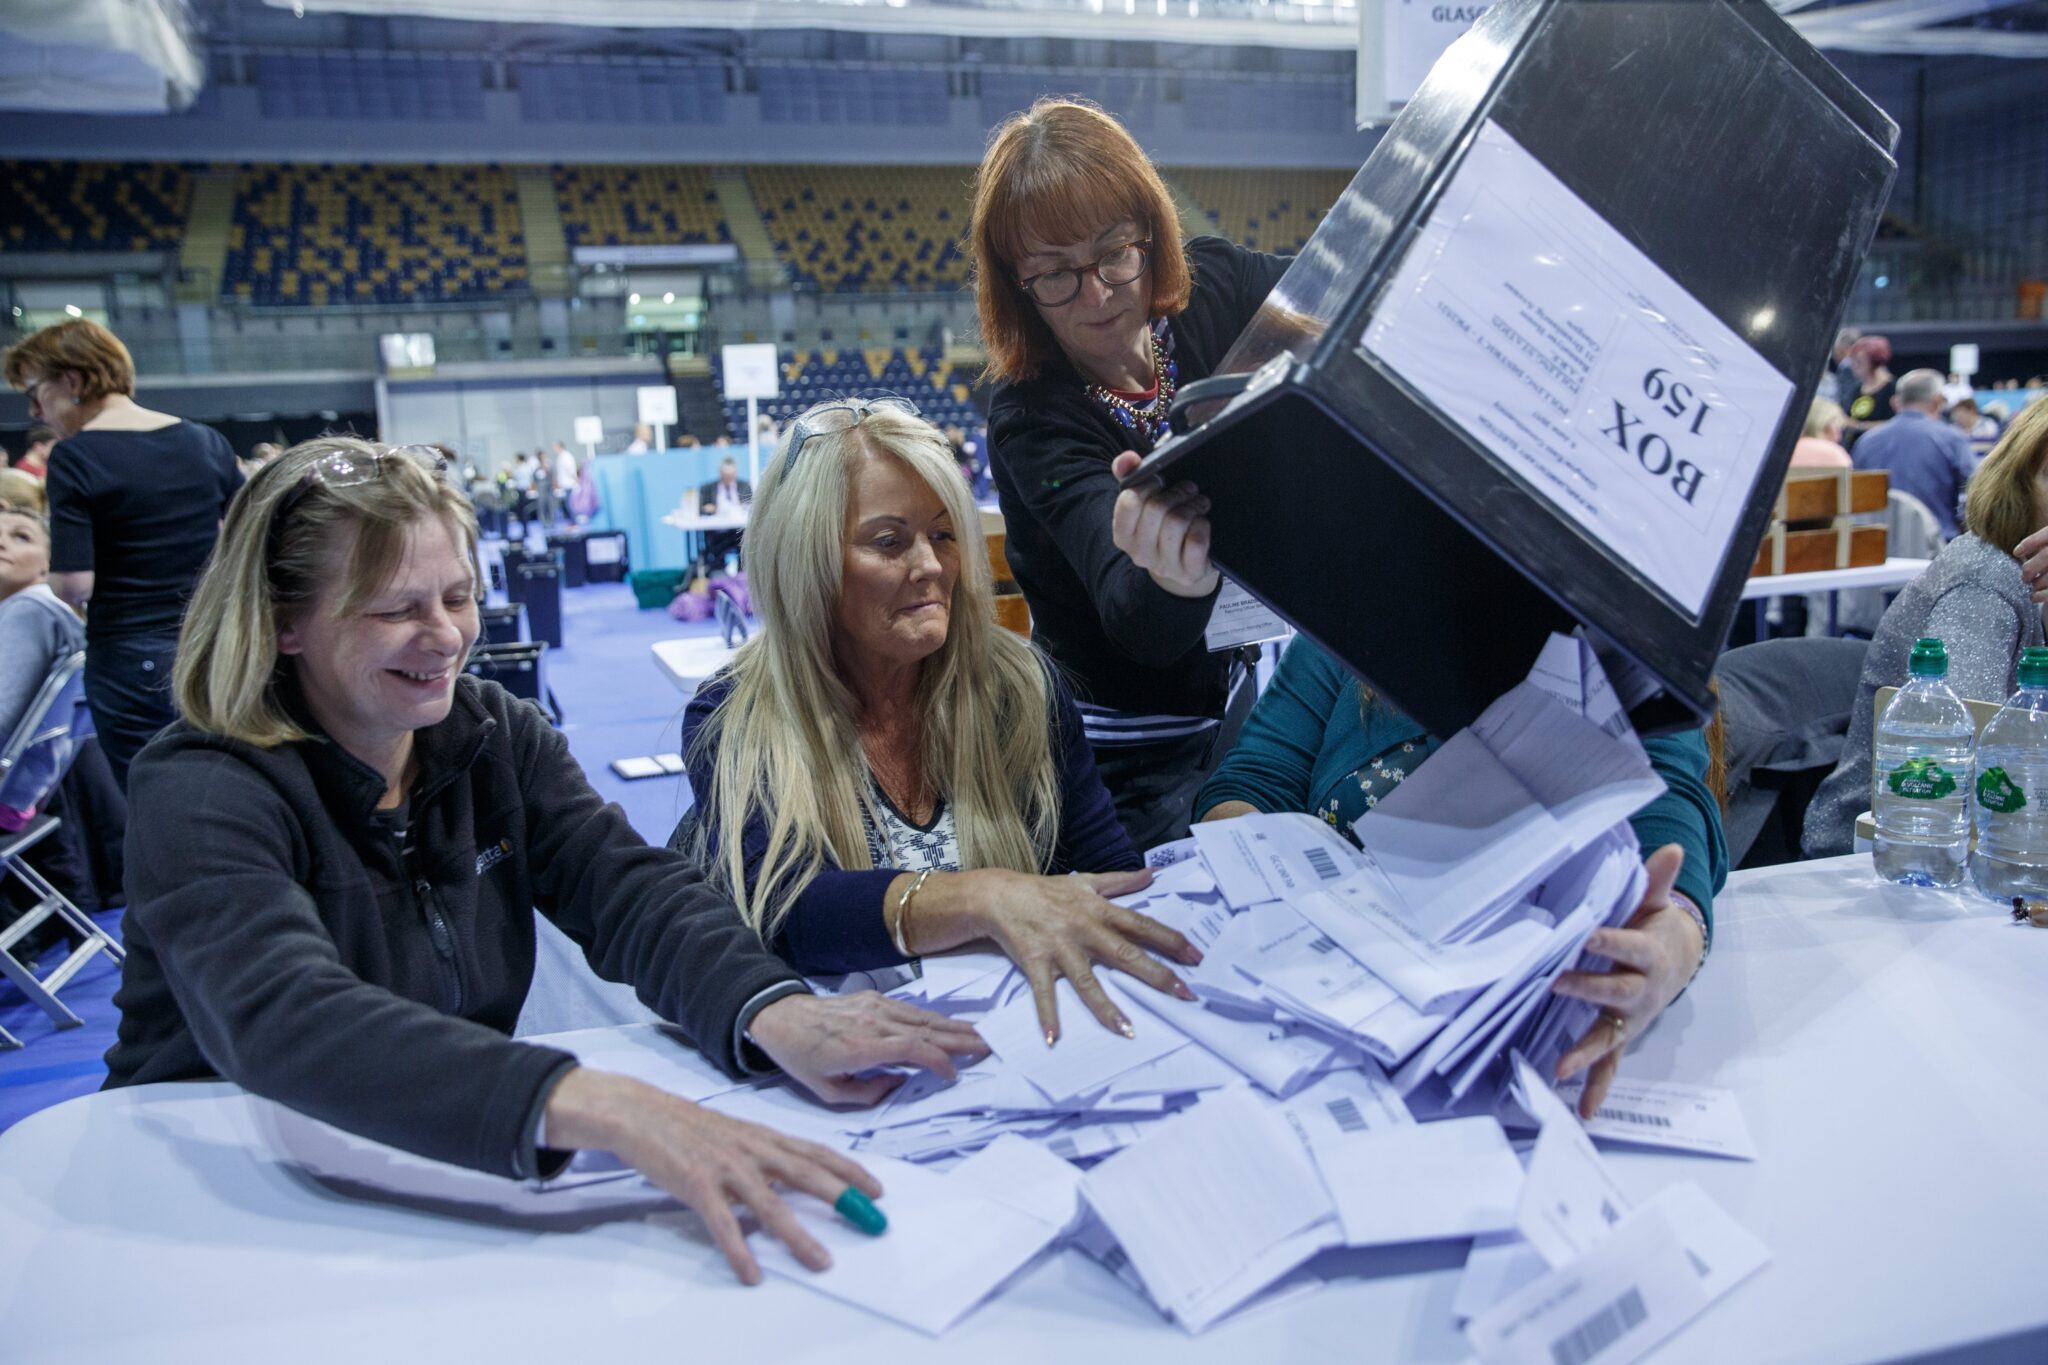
[35, 760]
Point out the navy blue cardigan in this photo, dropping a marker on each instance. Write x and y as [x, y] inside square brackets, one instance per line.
[836, 923]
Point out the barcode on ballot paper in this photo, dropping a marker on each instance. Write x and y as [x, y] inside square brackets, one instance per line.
[1322, 945]
[1625, 1116]
[1344, 1109]
[1598, 1332]
[1325, 866]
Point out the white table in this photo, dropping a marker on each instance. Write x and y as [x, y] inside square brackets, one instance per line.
[689, 661]
[1893, 573]
[1886, 1044]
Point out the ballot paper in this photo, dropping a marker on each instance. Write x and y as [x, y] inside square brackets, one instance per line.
[1341, 1103]
[1500, 805]
[949, 1245]
[1421, 1182]
[1498, 1264]
[1277, 947]
[1087, 1056]
[1569, 1199]
[1026, 1177]
[1275, 1056]
[1212, 1206]
[1362, 914]
[1671, 1115]
[1272, 857]
[1659, 1269]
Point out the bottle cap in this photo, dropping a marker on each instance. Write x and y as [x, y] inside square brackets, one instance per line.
[1930, 658]
[2034, 666]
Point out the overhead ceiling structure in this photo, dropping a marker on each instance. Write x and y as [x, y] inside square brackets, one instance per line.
[98, 56]
[1985, 28]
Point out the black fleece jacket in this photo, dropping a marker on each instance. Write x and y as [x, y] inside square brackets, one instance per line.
[277, 936]
[1123, 640]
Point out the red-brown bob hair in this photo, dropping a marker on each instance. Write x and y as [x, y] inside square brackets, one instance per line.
[1061, 173]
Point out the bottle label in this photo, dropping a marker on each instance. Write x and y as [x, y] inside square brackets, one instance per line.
[1996, 792]
[1921, 779]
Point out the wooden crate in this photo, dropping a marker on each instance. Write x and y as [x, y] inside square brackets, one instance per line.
[1824, 494]
[1842, 546]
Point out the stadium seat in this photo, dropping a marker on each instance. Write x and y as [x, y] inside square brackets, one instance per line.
[94, 205]
[846, 229]
[638, 206]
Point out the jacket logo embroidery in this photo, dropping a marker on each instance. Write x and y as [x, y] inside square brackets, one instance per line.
[492, 856]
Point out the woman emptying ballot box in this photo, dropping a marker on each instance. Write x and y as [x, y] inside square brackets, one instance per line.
[335, 856]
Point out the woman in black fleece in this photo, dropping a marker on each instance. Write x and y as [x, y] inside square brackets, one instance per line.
[334, 860]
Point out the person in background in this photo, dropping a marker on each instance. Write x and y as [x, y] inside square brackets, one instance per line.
[728, 495]
[1870, 405]
[1319, 743]
[1093, 313]
[643, 439]
[35, 460]
[36, 628]
[136, 501]
[1956, 389]
[1820, 443]
[1981, 597]
[563, 467]
[24, 491]
[1840, 382]
[1964, 417]
[1924, 456]
[883, 771]
[309, 917]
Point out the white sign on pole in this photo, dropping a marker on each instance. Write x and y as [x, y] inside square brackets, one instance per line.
[589, 430]
[1963, 359]
[658, 410]
[752, 371]
[1588, 373]
[657, 405]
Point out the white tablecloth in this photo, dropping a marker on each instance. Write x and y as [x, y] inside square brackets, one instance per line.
[1886, 1045]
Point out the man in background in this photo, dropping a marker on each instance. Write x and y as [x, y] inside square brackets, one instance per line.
[725, 496]
[1924, 456]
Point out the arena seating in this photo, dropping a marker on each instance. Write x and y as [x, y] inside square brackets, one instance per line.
[878, 229]
[313, 235]
[923, 376]
[93, 205]
[1266, 210]
[638, 206]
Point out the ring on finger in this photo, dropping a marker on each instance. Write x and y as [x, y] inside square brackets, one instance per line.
[1620, 1025]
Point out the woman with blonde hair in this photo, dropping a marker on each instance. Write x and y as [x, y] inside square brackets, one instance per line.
[1981, 597]
[335, 856]
[883, 772]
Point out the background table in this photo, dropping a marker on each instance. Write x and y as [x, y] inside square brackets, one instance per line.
[1885, 1043]
[1893, 573]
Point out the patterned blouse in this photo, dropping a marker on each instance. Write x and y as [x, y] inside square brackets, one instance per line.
[1358, 793]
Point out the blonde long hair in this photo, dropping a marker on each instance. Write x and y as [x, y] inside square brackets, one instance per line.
[786, 739]
[227, 671]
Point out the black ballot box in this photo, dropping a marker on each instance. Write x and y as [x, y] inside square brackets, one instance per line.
[536, 582]
[1543, 363]
[575, 563]
[503, 625]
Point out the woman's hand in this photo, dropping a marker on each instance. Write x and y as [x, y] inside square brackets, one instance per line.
[2032, 553]
[1165, 531]
[828, 1043]
[708, 1161]
[1653, 957]
[1053, 927]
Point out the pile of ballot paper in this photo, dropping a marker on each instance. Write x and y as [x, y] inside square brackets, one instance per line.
[1370, 1022]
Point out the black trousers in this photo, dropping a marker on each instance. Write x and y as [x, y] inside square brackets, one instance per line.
[1154, 785]
[128, 686]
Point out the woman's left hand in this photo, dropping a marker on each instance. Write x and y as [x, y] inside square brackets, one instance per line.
[829, 1044]
[1653, 958]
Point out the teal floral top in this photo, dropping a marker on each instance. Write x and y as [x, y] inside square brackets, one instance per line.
[1314, 744]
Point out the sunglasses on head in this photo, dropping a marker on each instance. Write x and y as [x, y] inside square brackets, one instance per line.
[347, 469]
[823, 421]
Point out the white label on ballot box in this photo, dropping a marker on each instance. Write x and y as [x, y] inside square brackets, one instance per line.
[1238, 618]
[1590, 373]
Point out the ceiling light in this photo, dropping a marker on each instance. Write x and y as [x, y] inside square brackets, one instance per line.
[668, 297]
[74, 310]
[632, 298]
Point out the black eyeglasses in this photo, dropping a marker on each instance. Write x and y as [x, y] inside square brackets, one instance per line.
[1117, 266]
[822, 421]
[347, 469]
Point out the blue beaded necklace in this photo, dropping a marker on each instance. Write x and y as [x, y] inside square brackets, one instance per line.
[1149, 420]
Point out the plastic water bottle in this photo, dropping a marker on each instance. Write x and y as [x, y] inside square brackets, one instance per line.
[1922, 777]
[2012, 790]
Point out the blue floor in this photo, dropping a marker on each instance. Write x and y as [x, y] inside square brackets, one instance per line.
[615, 704]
